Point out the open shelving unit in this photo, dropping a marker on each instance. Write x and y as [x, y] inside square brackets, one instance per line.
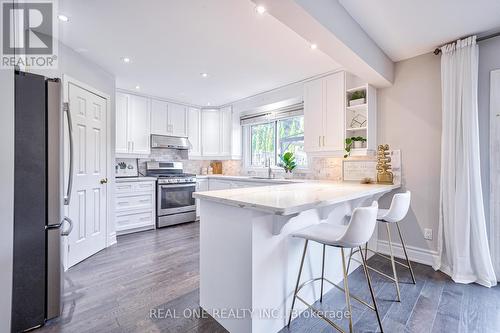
[361, 117]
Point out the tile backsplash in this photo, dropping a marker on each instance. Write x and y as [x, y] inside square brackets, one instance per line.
[327, 168]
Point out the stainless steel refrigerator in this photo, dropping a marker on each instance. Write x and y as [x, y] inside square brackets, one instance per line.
[38, 201]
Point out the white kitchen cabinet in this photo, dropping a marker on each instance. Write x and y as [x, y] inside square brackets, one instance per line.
[194, 131]
[210, 132]
[168, 118]
[216, 132]
[122, 140]
[133, 124]
[135, 208]
[219, 184]
[159, 117]
[226, 130]
[177, 119]
[324, 105]
[201, 185]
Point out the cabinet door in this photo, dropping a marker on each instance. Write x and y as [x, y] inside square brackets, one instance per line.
[139, 124]
[177, 120]
[122, 106]
[226, 130]
[210, 132]
[216, 184]
[159, 117]
[313, 115]
[334, 112]
[194, 131]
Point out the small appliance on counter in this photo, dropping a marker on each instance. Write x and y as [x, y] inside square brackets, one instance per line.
[126, 167]
[174, 193]
[216, 168]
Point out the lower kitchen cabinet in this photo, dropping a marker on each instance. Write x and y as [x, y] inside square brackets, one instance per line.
[135, 208]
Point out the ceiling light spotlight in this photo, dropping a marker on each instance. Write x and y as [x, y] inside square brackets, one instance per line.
[314, 46]
[126, 60]
[63, 18]
[138, 87]
[260, 9]
[208, 103]
[204, 75]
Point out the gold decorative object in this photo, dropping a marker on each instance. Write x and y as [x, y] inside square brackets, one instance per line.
[384, 176]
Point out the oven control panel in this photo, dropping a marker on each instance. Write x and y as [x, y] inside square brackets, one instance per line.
[177, 180]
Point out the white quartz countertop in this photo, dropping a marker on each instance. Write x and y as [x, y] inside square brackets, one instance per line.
[251, 179]
[288, 199]
[134, 179]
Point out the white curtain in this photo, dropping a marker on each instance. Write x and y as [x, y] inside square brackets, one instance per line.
[463, 242]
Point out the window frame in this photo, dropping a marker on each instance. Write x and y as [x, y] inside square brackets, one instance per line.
[247, 148]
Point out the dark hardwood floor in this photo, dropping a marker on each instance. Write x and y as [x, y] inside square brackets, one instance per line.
[146, 282]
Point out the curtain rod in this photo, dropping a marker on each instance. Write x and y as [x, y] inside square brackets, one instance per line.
[479, 39]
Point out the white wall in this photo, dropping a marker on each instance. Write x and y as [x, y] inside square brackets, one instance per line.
[489, 59]
[409, 118]
[6, 195]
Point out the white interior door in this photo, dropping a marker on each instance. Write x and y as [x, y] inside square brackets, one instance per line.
[87, 207]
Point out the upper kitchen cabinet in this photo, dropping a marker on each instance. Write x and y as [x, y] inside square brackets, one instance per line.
[133, 124]
[324, 114]
[226, 125]
[216, 133]
[210, 132]
[194, 132]
[168, 118]
[337, 107]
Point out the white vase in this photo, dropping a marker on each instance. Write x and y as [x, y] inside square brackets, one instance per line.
[358, 144]
[358, 101]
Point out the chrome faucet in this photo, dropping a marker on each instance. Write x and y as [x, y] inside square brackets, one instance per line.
[269, 170]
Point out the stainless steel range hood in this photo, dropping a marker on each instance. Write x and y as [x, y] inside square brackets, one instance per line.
[172, 142]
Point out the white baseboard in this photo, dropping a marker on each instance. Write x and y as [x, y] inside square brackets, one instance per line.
[417, 254]
[111, 239]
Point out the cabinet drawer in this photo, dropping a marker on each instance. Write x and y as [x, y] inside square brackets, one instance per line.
[128, 187]
[135, 220]
[134, 201]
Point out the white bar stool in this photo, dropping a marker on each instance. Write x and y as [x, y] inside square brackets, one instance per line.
[396, 213]
[355, 234]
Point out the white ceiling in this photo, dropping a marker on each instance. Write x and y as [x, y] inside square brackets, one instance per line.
[407, 28]
[171, 42]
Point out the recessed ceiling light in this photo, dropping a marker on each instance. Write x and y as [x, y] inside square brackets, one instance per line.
[208, 103]
[260, 9]
[204, 74]
[138, 87]
[63, 18]
[126, 60]
[314, 46]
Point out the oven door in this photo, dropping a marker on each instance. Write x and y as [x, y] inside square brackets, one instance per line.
[175, 198]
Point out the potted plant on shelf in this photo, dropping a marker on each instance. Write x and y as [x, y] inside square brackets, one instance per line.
[357, 98]
[288, 163]
[356, 141]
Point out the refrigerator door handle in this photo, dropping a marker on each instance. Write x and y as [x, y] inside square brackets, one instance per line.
[67, 197]
[67, 232]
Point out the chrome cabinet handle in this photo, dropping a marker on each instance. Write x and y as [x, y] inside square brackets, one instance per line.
[70, 228]
[319, 140]
[103, 181]
[323, 140]
[67, 197]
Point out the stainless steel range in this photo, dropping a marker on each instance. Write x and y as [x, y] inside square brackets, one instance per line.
[174, 193]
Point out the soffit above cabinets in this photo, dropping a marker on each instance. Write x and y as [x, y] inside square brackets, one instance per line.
[170, 45]
[405, 29]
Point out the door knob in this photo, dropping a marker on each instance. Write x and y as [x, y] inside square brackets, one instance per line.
[104, 181]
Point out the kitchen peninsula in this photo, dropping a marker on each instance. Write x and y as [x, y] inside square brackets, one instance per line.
[248, 261]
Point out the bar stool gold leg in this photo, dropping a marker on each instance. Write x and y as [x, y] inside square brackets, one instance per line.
[349, 261]
[322, 274]
[368, 279]
[298, 281]
[406, 254]
[392, 262]
[346, 288]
